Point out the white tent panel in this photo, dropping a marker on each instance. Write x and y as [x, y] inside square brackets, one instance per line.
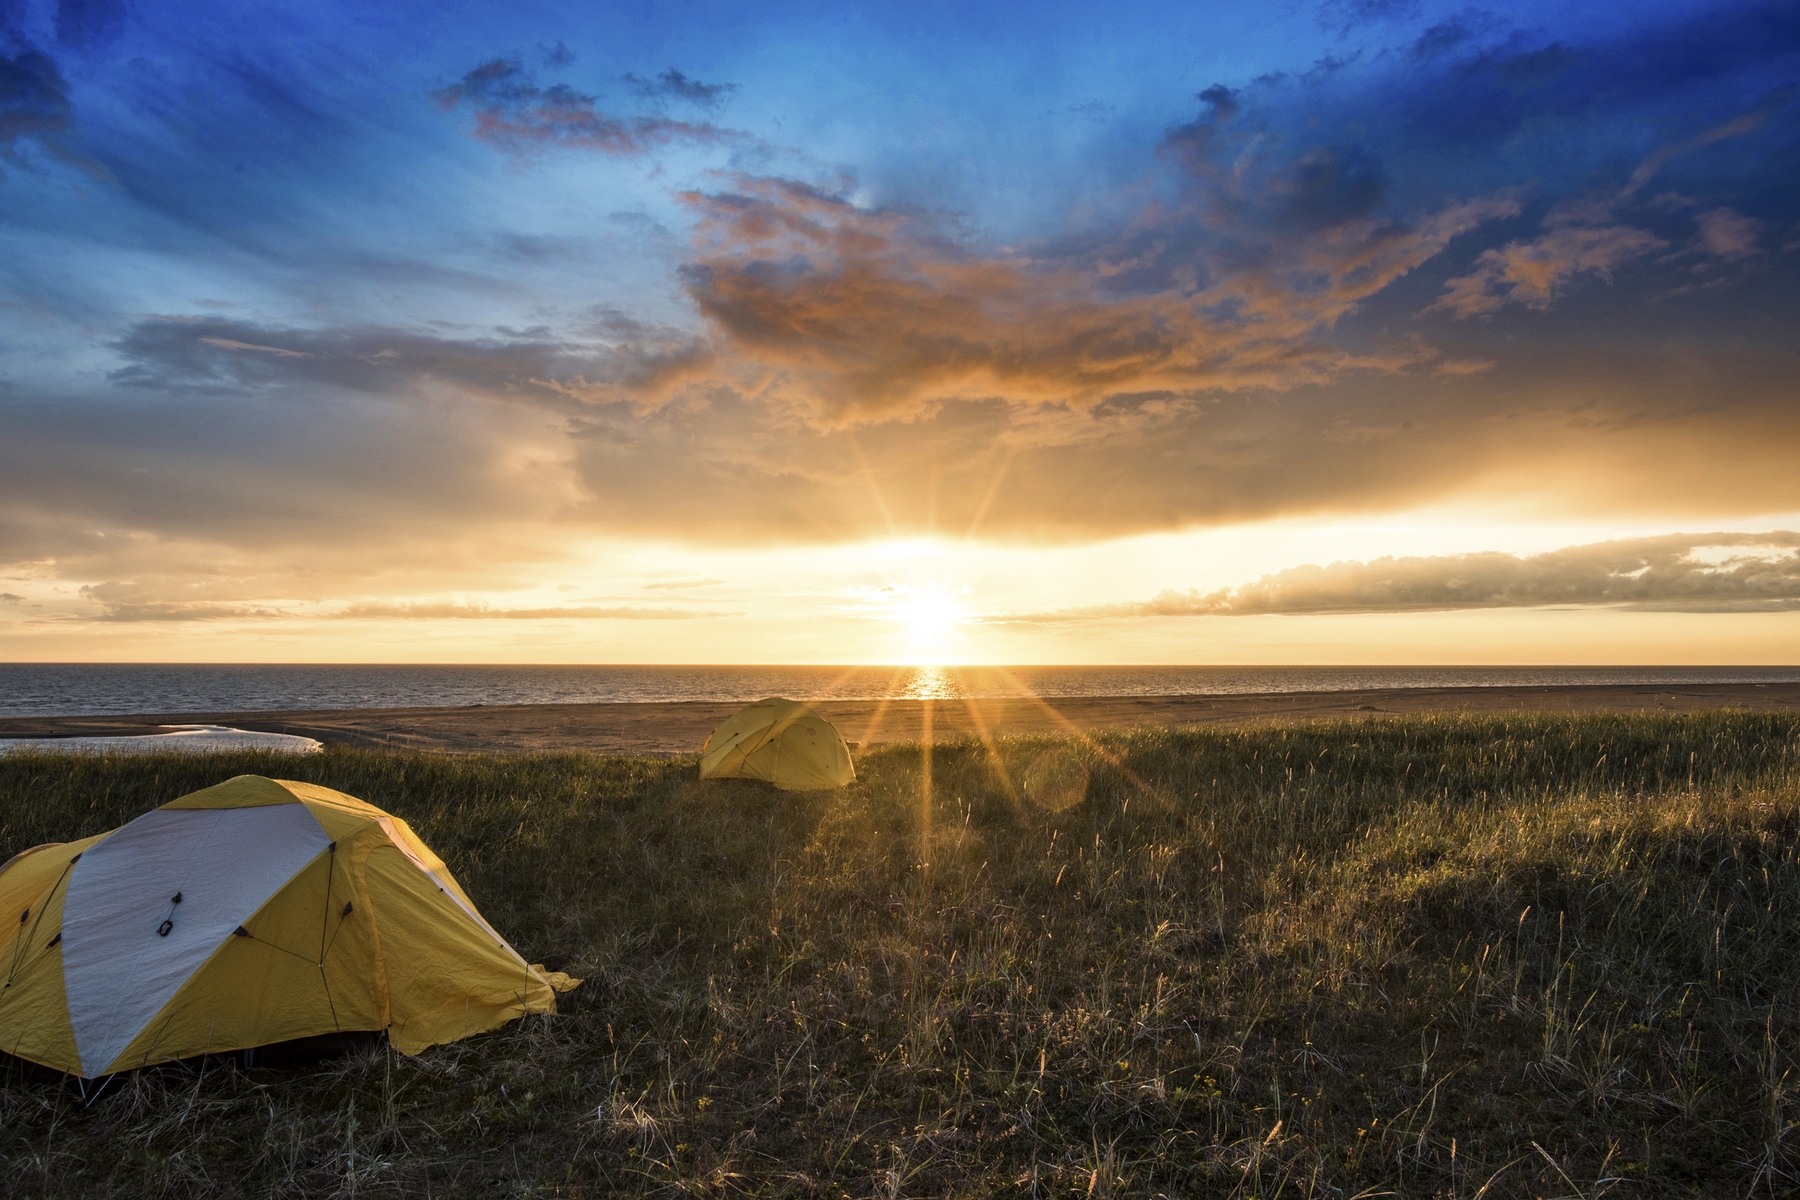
[120, 966]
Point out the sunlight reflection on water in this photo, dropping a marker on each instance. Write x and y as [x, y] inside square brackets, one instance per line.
[929, 683]
[955, 683]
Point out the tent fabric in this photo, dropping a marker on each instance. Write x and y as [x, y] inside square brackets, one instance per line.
[253, 912]
[779, 741]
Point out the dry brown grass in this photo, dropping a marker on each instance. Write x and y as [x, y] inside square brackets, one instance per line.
[1459, 957]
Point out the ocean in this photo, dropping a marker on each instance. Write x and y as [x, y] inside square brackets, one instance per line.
[64, 689]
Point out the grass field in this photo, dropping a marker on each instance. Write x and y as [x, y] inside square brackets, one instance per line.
[1458, 957]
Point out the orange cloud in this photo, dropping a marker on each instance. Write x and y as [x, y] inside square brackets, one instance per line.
[1533, 272]
[1728, 234]
[874, 314]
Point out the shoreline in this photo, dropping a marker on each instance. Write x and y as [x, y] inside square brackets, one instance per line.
[681, 727]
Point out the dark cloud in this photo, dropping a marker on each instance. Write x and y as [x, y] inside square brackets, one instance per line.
[1324, 68]
[1470, 104]
[673, 85]
[1535, 68]
[1346, 15]
[87, 23]
[34, 106]
[1223, 101]
[1294, 213]
[11, 598]
[1329, 186]
[627, 359]
[1088, 110]
[241, 157]
[513, 113]
[1455, 34]
[1747, 572]
[1742, 124]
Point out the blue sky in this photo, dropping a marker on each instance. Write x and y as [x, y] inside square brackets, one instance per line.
[305, 306]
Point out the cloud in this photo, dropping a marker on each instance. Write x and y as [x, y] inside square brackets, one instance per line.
[1088, 110]
[1447, 37]
[1671, 572]
[120, 613]
[870, 314]
[621, 359]
[1223, 103]
[228, 344]
[129, 601]
[1464, 366]
[34, 106]
[673, 85]
[184, 600]
[445, 480]
[1727, 234]
[513, 113]
[90, 22]
[1738, 126]
[682, 583]
[11, 598]
[1474, 102]
[1575, 241]
[441, 612]
[1346, 15]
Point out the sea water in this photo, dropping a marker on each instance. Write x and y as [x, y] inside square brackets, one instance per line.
[89, 689]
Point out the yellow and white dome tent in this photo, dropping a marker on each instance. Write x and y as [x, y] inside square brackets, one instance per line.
[782, 742]
[250, 913]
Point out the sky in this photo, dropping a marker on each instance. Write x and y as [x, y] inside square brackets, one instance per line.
[1353, 331]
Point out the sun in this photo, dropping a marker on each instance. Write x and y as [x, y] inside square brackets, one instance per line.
[930, 617]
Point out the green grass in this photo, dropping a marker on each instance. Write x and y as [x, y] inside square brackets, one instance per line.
[1541, 956]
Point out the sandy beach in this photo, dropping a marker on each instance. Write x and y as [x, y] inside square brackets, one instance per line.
[681, 728]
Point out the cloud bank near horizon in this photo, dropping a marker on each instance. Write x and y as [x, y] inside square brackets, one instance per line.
[123, 601]
[1744, 572]
[1721, 572]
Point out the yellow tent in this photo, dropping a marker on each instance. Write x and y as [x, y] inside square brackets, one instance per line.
[782, 742]
[253, 912]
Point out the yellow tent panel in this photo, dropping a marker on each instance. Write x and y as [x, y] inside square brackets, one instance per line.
[253, 912]
[782, 742]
